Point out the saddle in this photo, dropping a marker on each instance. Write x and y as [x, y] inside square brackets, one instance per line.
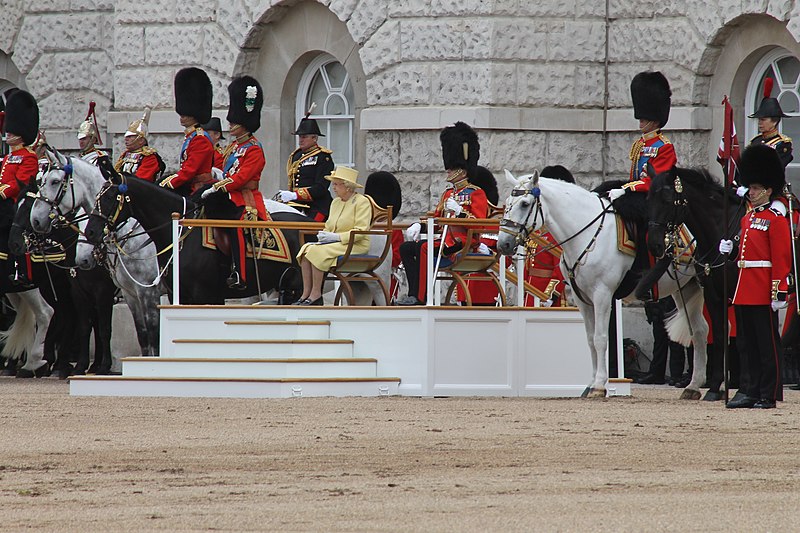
[270, 243]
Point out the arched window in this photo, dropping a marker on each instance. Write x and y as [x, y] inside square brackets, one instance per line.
[784, 68]
[327, 84]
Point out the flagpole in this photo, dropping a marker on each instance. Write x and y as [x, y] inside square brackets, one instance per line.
[727, 141]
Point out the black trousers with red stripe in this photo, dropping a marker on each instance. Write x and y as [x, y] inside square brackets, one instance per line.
[757, 334]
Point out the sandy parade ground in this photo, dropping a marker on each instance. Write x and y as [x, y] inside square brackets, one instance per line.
[646, 463]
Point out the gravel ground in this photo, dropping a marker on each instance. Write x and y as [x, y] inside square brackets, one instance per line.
[643, 464]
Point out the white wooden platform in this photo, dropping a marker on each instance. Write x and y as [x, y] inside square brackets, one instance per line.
[285, 351]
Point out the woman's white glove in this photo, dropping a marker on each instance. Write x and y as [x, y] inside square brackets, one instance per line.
[452, 205]
[326, 237]
[778, 304]
[613, 194]
[287, 196]
[413, 231]
[725, 246]
[217, 173]
[741, 191]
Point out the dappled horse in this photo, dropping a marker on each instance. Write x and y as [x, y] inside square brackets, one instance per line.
[694, 198]
[585, 226]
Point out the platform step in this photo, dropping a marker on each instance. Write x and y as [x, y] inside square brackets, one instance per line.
[250, 329]
[275, 368]
[231, 387]
[260, 348]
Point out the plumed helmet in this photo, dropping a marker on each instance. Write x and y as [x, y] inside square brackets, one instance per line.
[308, 126]
[193, 94]
[245, 99]
[140, 125]
[460, 148]
[557, 172]
[384, 188]
[651, 97]
[88, 127]
[770, 107]
[761, 164]
[484, 179]
[22, 116]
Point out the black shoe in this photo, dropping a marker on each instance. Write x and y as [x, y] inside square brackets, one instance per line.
[795, 387]
[235, 281]
[764, 403]
[301, 301]
[651, 379]
[742, 402]
[309, 301]
[683, 382]
[21, 281]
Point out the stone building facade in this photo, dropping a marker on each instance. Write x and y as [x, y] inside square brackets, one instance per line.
[543, 82]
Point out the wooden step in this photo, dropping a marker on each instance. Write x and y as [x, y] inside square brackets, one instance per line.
[231, 387]
[245, 328]
[273, 368]
[260, 348]
[278, 322]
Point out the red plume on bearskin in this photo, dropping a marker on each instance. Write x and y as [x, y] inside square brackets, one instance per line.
[761, 164]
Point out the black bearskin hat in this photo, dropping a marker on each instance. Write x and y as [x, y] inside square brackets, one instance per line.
[761, 164]
[193, 94]
[485, 180]
[651, 97]
[460, 148]
[245, 99]
[22, 116]
[557, 172]
[770, 107]
[384, 188]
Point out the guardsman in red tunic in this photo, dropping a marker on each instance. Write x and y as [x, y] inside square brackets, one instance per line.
[764, 262]
[89, 137]
[193, 98]
[138, 158]
[19, 166]
[460, 153]
[307, 168]
[483, 292]
[244, 161]
[214, 129]
[542, 269]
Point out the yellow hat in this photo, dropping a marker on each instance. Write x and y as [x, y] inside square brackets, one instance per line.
[350, 175]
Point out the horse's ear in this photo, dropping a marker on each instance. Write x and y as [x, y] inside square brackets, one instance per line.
[58, 157]
[510, 178]
[535, 178]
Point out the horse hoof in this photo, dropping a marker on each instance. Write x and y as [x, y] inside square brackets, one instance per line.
[585, 392]
[712, 396]
[596, 393]
[24, 373]
[690, 394]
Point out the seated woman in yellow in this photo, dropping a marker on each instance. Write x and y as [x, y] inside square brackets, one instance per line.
[350, 210]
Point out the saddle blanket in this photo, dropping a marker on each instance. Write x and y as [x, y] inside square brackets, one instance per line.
[270, 243]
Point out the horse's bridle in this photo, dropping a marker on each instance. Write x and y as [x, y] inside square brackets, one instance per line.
[673, 222]
[519, 230]
[111, 221]
[57, 217]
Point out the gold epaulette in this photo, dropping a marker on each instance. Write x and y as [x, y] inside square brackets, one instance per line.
[324, 150]
[147, 150]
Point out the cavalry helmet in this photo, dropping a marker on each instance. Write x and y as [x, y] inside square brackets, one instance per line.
[88, 127]
[140, 125]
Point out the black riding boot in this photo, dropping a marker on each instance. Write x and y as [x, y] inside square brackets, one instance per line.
[236, 279]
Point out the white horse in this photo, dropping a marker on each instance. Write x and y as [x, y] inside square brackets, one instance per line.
[585, 226]
[134, 277]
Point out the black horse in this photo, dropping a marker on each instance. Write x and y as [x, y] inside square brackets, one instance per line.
[203, 270]
[89, 298]
[692, 197]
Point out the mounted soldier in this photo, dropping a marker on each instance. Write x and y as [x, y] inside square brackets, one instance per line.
[307, 167]
[138, 158]
[89, 137]
[244, 161]
[193, 97]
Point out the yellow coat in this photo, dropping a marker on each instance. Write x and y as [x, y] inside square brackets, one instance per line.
[355, 214]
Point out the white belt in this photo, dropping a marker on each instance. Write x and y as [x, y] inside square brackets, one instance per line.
[754, 264]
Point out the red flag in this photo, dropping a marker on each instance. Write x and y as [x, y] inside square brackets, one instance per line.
[728, 153]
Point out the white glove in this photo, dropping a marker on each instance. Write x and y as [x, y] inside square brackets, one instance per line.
[217, 173]
[777, 304]
[452, 205]
[208, 192]
[613, 194]
[413, 231]
[546, 303]
[287, 196]
[741, 191]
[725, 246]
[483, 249]
[326, 237]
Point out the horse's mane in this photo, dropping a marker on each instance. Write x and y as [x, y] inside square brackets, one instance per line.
[698, 178]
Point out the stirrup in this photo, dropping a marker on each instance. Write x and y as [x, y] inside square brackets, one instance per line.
[235, 281]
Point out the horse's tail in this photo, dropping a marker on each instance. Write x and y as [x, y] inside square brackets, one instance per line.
[651, 277]
[677, 323]
[20, 336]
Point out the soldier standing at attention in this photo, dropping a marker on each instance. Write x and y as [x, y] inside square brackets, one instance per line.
[244, 161]
[89, 136]
[193, 99]
[214, 129]
[764, 267]
[307, 168]
[138, 158]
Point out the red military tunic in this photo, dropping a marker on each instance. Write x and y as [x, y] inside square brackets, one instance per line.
[197, 157]
[143, 163]
[764, 257]
[18, 167]
[653, 148]
[219, 158]
[542, 268]
[243, 165]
